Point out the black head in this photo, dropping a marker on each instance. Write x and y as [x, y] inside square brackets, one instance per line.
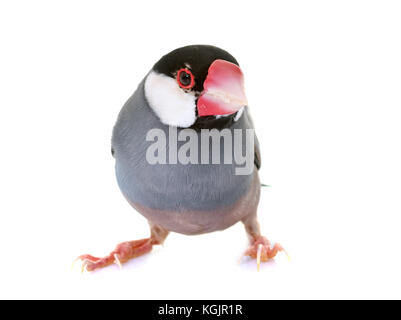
[181, 88]
[197, 58]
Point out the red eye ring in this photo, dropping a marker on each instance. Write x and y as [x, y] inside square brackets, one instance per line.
[187, 71]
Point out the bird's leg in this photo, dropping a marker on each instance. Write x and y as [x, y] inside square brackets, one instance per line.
[125, 250]
[260, 248]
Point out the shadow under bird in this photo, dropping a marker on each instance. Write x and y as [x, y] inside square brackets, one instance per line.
[194, 88]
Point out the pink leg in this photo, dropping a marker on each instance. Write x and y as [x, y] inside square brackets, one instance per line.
[260, 248]
[125, 250]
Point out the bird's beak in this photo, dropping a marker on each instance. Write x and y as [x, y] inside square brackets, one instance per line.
[224, 91]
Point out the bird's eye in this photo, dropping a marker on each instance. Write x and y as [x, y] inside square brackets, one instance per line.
[185, 78]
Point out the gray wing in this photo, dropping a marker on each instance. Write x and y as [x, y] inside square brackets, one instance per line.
[257, 159]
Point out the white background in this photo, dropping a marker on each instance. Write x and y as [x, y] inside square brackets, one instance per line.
[323, 80]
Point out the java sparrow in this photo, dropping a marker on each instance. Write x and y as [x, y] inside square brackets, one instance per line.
[196, 87]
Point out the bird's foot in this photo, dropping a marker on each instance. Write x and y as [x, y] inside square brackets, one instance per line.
[122, 253]
[262, 250]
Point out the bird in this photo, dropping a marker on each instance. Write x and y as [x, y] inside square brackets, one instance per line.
[189, 91]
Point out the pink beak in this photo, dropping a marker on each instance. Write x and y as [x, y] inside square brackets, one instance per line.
[224, 91]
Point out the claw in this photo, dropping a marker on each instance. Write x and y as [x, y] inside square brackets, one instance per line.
[117, 261]
[83, 266]
[73, 264]
[262, 250]
[258, 255]
[280, 248]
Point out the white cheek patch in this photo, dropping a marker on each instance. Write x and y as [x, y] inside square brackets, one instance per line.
[172, 105]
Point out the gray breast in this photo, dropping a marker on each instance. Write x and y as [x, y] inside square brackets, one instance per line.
[169, 186]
